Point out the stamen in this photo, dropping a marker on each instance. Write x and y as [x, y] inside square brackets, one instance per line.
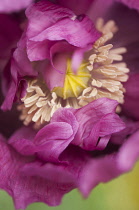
[39, 104]
[106, 76]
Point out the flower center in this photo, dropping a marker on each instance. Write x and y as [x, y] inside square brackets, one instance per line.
[74, 83]
[101, 76]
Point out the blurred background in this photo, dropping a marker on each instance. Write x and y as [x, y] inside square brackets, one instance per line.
[119, 194]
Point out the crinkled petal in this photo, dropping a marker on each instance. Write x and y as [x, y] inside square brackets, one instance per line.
[49, 23]
[106, 126]
[26, 189]
[96, 120]
[20, 67]
[43, 15]
[52, 140]
[70, 30]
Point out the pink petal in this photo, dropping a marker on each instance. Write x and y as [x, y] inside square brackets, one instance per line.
[82, 7]
[14, 5]
[131, 127]
[97, 10]
[129, 153]
[33, 188]
[131, 104]
[70, 30]
[97, 119]
[43, 15]
[38, 50]
[105, 168]
[52, 140]
[22, 141]
[133, 4]
[55, 173]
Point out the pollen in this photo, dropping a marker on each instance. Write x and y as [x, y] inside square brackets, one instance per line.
[74, 83]
[101, 75]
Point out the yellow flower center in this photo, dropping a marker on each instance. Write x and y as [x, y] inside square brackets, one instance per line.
[74, 83]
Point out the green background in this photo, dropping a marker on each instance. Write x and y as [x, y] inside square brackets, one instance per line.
[119, 194]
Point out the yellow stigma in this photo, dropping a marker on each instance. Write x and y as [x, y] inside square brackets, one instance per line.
[74, 84]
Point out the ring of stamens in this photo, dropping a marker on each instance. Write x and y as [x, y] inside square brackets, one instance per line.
[107, 71]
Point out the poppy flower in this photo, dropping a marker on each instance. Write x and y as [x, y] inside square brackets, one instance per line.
[69, 76]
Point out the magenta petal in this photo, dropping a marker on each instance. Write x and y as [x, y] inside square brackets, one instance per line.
[131, 127]
[7, 104]
[23, 65]
[98, 170]
[14, 5]
[33, 188]
[38, 12]
[55, 173]
[70, 30]
[50, 141]
[131, 104]
[129, 153]
[54, 138]
[106, 126]
[38, 50]
[22, 141]
[4, 156]
[107, 167]
[24, 146]
[11, 92]
[77, 59]
[55, 77]
[53, 131]
[50, 23]
[111, 123]
[9, 35]
[133, 4]
[20, 67]
[96, 10]
[96, 120]
[103, 142]
[82, 7]
[54, 73]
[66, 115]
